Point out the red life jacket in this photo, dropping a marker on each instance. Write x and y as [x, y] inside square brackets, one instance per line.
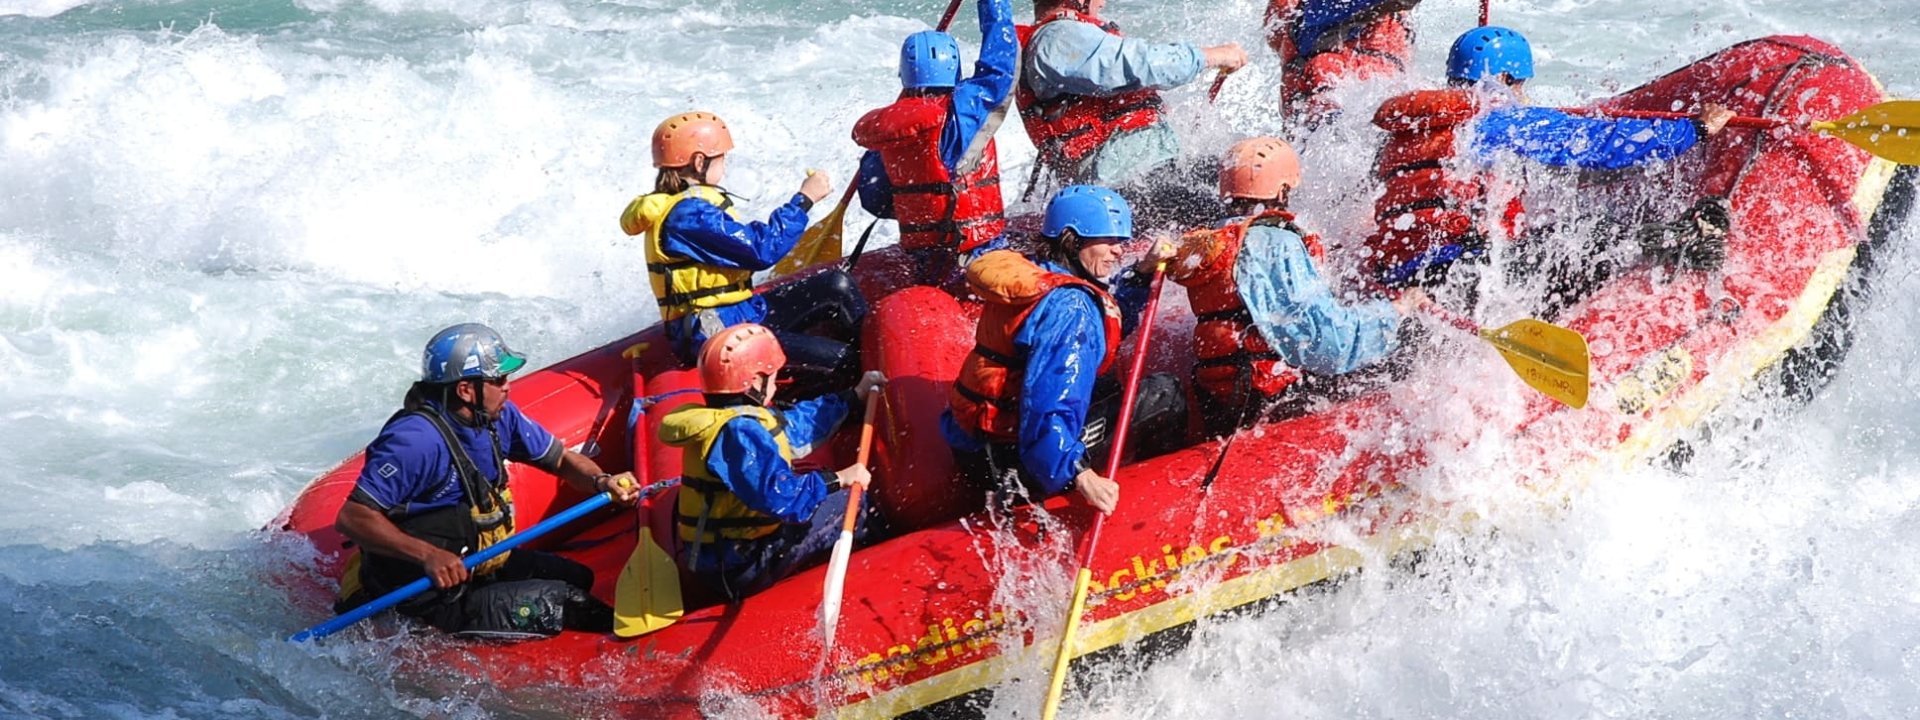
[1425, 209]
[1068, 128]
[1231, 357]
[986, 396]
[1382, 50]
[934, 209]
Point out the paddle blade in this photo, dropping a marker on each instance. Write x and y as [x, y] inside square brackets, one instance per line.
[1890, 130]
[819, 244]
[1548, 357]
[836, 587]
[647, 598]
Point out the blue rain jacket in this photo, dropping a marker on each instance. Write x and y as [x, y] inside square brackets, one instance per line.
[699, 230]
[973, 99]
[747, 459]
[1295, 311]
[1064, 343]
[1552, 137]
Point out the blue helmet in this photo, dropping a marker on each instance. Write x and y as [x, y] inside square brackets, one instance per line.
[1489, 51]
[1090, 211]
[929, 59]
[467, 350]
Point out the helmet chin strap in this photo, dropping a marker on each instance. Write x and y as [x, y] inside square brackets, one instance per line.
[477, 415]
[1070, 257]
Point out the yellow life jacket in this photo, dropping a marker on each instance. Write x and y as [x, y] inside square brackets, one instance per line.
[681, 284]
[711, 512]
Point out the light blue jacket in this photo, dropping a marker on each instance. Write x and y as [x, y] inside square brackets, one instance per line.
[1070, 57]
[1296, 312]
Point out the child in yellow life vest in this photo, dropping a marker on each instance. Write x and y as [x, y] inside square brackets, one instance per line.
[1262, 312]
[701, 258]
[746, 517]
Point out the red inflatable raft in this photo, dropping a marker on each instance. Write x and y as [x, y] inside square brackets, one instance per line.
[954, 608]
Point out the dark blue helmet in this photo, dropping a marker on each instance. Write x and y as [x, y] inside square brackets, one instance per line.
[1489, 51]
[929, 59]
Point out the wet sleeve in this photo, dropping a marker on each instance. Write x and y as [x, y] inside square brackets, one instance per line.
[1297, 314]
[876, 190]
[1065, 343]
[1552, 137]
[1131, 292]
[702, 231]
[976, 98]
[527, 441]
[400, 467]
[746, 458]
[814, 420]
[1080, 59]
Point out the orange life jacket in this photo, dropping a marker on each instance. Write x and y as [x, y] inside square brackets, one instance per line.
[934, 209]
[1427, 212]
[1068, 128]
[1231, 357]
[986, 396]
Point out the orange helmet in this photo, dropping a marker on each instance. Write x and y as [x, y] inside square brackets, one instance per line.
[734, 360]
[1259, 169]
[680, 136]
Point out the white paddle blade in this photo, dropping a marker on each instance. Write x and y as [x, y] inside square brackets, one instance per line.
[836, 585]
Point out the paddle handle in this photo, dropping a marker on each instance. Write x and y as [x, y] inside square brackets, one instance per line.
[946, 19]
[416, 587]
[866, 447]
[1447, 316]
[1219, 81]
[1738, 121]
[1083, 577]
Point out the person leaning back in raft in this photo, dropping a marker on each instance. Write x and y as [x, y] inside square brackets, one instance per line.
[434, 486]
[1432, 219]
[931, 162]
[746, 517]
[1262, 313]
[701, 259]
[1034, 402]
[1090, 99]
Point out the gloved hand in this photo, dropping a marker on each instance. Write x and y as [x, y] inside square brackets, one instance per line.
[1697, 241]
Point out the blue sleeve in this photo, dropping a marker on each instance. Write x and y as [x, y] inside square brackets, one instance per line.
[876, 190]
[1078, 58]
[975, 98]
[746, 458]
[810, 422]
[402, 463]
[1551, 137]
[1317, 17]
[1131, 292]
[526, 440]
[700, 230]
[1065, 343]
[1296, 313]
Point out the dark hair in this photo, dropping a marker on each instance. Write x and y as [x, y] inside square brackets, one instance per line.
[674, 180]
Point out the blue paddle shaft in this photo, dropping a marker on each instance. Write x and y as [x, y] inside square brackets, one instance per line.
[347, 619]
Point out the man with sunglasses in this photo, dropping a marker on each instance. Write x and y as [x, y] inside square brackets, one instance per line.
[434, 488]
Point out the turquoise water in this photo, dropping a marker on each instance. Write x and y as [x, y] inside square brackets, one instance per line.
[226, 227]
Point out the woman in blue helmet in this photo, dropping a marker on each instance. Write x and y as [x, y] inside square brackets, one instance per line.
[434, 487]
[1030, 409]
[1437, 210]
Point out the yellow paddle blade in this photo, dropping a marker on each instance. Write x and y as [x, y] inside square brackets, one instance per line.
[1548, 357]
[820, 243]
[647, 597]
[1890, 130]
